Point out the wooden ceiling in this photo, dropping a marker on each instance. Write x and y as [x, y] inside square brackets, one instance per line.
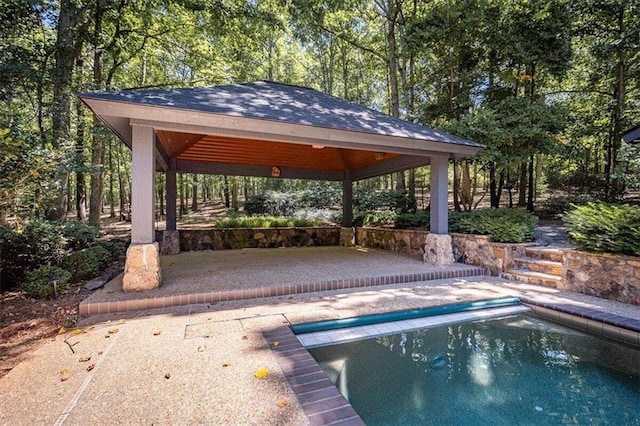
[253, 152]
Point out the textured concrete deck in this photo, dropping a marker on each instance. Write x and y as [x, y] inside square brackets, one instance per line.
[218, 276]
[197, 364]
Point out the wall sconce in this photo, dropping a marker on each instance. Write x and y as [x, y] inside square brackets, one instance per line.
[275, 171]
[379, 155]
[317, 146]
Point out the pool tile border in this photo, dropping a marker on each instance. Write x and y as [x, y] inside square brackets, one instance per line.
[606, 324]
[320, 400]
[87, 308]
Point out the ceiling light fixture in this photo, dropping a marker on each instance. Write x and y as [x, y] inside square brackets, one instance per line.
[317, 146]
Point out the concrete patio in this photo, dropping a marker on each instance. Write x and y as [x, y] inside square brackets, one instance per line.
[225, 275]
[197, 363]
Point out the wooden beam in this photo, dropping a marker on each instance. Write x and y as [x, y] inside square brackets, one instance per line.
[256, 171]
[389, 166]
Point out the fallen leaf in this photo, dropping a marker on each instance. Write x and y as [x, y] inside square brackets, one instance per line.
[76, 331]
[113, 331]
[226, 364]
[156, 333]
[91, 367]
[64, 375]
[261, 373]
[282, 404]
[62, 330]
[167, 376]
[121, 321]
[84, 358]
[106, 336]
[276, 343]
[244, 337]
[202, 348]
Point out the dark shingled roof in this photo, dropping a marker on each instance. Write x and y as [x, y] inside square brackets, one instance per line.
[632, 135]
[281, 102]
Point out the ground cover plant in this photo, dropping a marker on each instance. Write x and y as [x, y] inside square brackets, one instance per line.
[502, 225]
[603, 227]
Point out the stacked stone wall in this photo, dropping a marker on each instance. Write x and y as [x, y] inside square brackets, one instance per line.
[608, 276]
[240, 238]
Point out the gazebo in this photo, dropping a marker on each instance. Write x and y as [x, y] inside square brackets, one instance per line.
[263, 129]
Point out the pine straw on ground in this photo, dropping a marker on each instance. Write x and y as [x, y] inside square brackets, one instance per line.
[27, 323]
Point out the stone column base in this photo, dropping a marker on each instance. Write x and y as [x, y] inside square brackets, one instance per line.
[347, 237]
[142, 268]
[438, 250]
[170, 242]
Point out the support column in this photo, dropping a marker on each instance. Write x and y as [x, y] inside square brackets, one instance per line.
[347, 200]
[438, 249]
[171, 236]
[142, 268]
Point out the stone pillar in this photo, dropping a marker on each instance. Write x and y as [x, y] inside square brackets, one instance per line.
[170, 242]
[439, 213]
[347, 237]
[142, 267]
[438, 250]
[347, 200]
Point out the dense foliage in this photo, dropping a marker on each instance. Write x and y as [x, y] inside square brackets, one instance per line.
[265, 222]
[36, 251]
[502, 225]
[602, 227]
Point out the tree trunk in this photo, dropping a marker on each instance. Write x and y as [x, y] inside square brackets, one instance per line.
[531, 186]
[112, 210]
[194, 195]
[67, 49]
[225, 188]
[97, 149]
[522, 185]
[81, 211]
[456, 186]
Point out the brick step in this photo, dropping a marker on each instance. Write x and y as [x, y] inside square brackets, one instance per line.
[553, 254]
[532, 277]
[539, 265]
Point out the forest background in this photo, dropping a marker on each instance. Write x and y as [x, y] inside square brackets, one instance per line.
[548, 86]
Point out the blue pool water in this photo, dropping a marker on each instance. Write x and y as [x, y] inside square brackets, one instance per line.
[515, 370]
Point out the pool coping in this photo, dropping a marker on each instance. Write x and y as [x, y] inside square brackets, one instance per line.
[324, 405]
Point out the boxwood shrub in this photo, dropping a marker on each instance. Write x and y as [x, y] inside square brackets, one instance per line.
[602, 227]
[502, 225]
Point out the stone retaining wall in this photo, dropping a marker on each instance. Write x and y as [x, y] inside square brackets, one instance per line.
[402, 241]
[239, 238]
[479, 250]
[475, 250]
[603, 275]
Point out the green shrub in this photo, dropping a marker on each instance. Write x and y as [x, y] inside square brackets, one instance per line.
[79, 234]
[265, 222]
[556, 206]
[321, 195]
[271, 203]
[87, 263]
[413, 220]
[502, 225]
[116, 247]
[36, 282]
[29, 246]
[602, 227]
[396, 200]
[381, 218]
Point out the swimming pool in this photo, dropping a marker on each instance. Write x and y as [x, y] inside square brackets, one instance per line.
[515, 368]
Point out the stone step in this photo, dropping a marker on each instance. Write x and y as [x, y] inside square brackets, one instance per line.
[532, 277]
[539, 265]
[554, 254]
